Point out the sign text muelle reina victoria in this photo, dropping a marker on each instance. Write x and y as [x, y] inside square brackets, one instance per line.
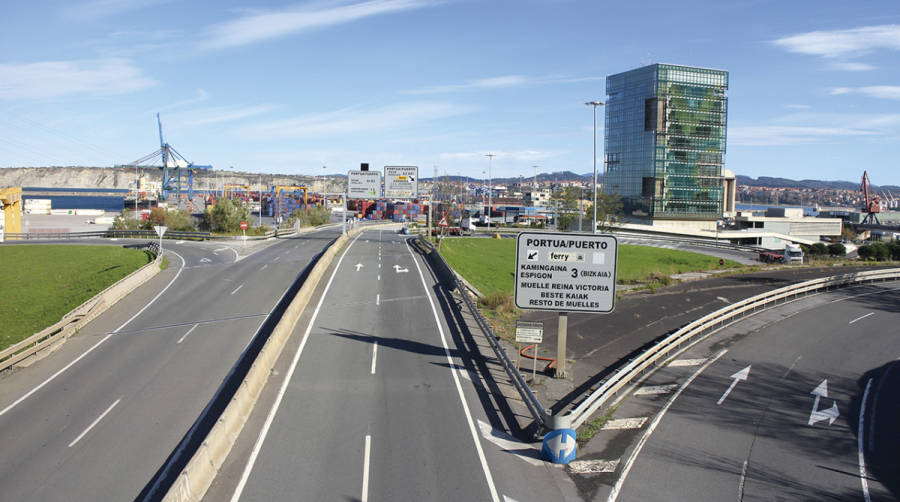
[566, 272]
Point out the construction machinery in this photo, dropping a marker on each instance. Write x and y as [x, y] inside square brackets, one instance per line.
[872, 202]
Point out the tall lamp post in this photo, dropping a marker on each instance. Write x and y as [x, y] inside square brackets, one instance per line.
[490, 157]
[595, 104]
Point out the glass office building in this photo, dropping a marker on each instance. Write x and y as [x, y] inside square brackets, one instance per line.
[665, 141]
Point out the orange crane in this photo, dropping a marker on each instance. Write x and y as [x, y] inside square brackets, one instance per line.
[872, 202]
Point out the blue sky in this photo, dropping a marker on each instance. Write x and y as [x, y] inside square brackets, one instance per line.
[292, 87]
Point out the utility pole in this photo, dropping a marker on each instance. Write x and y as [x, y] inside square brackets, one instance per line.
[595, 104]
[490, 157]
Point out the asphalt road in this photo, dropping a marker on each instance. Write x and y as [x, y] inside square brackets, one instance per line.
[798, 403]
[97, 418]
[375, 403]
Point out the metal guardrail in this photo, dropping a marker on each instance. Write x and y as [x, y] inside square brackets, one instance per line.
[541, 415]
[707, 325]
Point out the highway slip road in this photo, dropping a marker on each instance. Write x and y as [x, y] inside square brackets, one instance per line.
[97, 419]
[797, 403]
[372, 400]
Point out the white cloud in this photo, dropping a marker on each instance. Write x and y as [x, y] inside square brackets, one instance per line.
[873, 91]
[353, 120]
[776, 135]
[501, 82]
[260, 26]
[96, 9]
[849, 66]
[52, 79]
[797, 107]
[843, 43]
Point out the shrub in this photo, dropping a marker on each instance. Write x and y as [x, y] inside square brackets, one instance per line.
[818, 249]
[837, 249]
[226, 216]
[316, 215]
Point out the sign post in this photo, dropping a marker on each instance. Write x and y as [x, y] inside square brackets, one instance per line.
[401, 182]
[530, 332]
[565, 272]
[160, 230]
[244, 226]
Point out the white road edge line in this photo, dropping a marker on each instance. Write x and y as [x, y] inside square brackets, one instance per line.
[188, 333]
[462, 398]
[95, 422]
[237, 288]
[374, 355]
[254, 454]
[263, 267]
[742, 482]
[860, 442]
[614, 494]
[105, 338]
[862, 317]
[366, 456]
[378, 299]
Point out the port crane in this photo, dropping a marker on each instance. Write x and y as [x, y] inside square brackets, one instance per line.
[173, 165]
[873, 203]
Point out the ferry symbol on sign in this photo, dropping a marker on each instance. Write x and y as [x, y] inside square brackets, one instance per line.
[532, 255]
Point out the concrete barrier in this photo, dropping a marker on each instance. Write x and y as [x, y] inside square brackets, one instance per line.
[53, 336]
[195, 479]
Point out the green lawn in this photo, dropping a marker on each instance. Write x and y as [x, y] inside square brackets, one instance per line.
[43, 283]
[489, 264]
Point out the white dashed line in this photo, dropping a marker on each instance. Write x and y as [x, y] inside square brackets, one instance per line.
[237, 288]
[687, 362]
[94, 423]
[862, 317]
[652, 390]
[188, 333]
[366, 456]
[625, 423]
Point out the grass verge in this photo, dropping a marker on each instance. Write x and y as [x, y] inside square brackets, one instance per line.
[46, 282]
[592, 427]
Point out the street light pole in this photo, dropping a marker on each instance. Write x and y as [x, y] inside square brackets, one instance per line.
[490, 157]
[595, 104]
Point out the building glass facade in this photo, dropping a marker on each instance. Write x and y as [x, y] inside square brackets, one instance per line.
[665, 141]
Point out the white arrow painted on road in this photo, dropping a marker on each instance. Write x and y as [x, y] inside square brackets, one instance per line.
[400, 270]
[817, 415]
[205, 260]
[358, 266]
[737, 377]
[561, 446]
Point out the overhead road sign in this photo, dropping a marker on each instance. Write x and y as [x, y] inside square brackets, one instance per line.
[566, 272]
[401, 182]
[364, 184]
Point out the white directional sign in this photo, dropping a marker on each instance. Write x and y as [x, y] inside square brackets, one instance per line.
[364, 184]
[401, 182]
[529, 331]
[566, 272]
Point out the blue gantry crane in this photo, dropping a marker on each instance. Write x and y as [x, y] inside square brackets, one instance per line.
[173, 165]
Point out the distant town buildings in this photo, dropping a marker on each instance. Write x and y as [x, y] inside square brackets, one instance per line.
[665, 142]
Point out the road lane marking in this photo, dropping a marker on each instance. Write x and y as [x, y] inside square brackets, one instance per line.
[624, 423]
[743, 480]
[276, 258]
[179, 242]
[254, 454]
[592, 466]
[188, 333]
[462, 398]
[237, 288]
[105, 338]
[860, 441]
[723, 299]
[735, 378]
[652, 390]
[862, 317]
[378, 299]
[687, 362]
[366, 456]
[614, 494]
[263, 267]
[509, 444]
[374, 356]
[791, 366]
[379, 277]
[95, 422]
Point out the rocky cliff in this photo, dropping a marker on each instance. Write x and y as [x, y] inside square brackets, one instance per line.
[120, 177]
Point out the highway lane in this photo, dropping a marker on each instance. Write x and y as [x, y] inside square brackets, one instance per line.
[374, 407]
[789, 427]
[105, 423]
